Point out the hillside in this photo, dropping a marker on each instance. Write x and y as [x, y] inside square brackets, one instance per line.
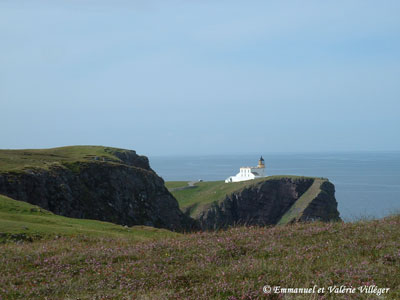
[91, 182]
[267, 201]
[231, 264]
[21, 221]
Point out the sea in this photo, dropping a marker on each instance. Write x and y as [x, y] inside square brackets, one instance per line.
[367, 183]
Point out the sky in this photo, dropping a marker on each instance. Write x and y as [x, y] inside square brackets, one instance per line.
[199, 76]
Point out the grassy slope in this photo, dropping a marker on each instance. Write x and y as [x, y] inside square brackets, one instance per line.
[176, 184]
[301, 204]
[212, 265]
[23, 221]
[14, 160]
[210, 191]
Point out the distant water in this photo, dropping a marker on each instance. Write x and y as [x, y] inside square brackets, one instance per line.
[367, 184]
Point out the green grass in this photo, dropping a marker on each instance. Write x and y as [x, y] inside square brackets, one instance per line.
[231, 264]
[22, 221]
[207, 192]
[16, 160]
[175, 184]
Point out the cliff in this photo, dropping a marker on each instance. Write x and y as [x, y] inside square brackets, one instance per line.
[98, 183]
[118, 186]
[270, 201]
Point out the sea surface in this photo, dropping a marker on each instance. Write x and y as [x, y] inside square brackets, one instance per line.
[367, 183]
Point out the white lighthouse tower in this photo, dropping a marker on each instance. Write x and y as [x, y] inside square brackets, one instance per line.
[249, 173]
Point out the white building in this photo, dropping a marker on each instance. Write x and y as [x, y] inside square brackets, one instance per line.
[249, 173]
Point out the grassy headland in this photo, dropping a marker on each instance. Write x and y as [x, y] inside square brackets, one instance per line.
[14, 160]
[231, 264]
[192, 200]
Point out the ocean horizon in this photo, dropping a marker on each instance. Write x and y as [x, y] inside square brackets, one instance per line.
[367, 183]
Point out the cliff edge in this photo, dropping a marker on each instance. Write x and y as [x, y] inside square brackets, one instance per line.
[269, 201]
[91, 182]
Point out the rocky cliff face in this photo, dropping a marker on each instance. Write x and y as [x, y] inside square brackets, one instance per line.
[270, 201]
[323, 206]
[126, 192]
[115, 185]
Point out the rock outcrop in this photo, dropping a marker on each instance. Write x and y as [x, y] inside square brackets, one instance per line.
[273, 201]
[124, 190]
[322, 206]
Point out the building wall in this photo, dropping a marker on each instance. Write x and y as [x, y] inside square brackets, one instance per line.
[245, 173]
[260, 171]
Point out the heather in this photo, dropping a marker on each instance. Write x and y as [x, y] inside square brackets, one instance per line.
[231, 264]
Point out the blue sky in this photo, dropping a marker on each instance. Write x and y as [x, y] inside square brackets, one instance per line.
[201, 77]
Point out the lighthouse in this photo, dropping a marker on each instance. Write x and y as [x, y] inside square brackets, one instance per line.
[249, 173]
[261, 164]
